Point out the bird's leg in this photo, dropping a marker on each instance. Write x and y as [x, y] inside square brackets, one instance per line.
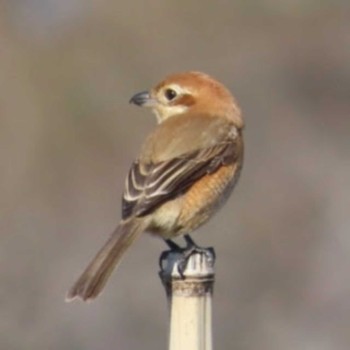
[190, 242]
[172, 245]
[193, 247]
[173, 248]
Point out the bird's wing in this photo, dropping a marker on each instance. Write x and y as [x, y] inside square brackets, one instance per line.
[150, 185]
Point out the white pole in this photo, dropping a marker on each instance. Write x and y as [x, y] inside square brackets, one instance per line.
[189, 297]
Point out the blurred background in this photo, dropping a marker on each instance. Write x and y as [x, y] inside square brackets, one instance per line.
[68, 136]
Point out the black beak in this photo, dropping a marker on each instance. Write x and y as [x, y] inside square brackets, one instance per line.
[142, 99]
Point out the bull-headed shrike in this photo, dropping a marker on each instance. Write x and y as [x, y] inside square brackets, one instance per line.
[187, 168]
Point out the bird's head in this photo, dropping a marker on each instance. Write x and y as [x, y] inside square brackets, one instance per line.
[189, 92]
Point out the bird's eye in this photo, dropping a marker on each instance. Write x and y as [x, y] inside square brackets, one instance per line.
[170, 94]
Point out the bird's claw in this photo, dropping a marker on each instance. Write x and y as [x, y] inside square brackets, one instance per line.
[190, 251]
[185, 254]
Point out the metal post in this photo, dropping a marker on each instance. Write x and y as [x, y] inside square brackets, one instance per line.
[189, 299]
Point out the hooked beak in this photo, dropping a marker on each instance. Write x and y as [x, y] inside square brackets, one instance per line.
[143, 99]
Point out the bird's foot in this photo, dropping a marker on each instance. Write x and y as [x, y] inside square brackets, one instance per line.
[173, 248]
[186, 253]
[191, 249]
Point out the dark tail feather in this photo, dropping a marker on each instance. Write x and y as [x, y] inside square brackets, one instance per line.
[91, 282]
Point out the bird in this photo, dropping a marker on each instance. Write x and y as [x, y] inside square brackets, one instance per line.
[185, 171]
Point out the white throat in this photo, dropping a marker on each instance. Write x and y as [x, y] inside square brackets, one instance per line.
[167, 112]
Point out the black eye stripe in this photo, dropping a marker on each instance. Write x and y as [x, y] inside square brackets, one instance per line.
[170, 94]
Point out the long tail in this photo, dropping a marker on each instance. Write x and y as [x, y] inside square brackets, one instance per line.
[91, 282]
